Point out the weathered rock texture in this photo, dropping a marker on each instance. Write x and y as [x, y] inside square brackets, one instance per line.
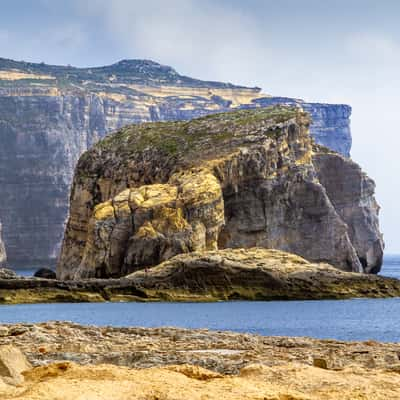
[233, 180]
[73, 361]
[50, 115]
[351, 192]
[254, 274]
[223, 352]
[12, 364]
[230, 274]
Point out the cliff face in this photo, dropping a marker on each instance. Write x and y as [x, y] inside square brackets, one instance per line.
[3, 256]
[233, 180]
[351, 192]
[50, 115]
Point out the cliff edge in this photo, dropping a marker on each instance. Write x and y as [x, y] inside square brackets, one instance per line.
[250, 178]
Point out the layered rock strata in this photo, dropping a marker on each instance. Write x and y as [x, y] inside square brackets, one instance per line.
[73, 361]
[234, 180]
[49, 115]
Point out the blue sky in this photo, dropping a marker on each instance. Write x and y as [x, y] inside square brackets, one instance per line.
[332, 51]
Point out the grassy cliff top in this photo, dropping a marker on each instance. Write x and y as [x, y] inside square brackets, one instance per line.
[137, 72]
[214, 134]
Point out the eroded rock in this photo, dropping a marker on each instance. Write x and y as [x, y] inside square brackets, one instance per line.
[6, 273]
[12, 364]
[262, 161]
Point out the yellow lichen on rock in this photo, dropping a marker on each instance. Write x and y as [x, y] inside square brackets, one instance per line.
[103, 211]
[157, 195]
[144, 226]
[146, 231]
[169, 220]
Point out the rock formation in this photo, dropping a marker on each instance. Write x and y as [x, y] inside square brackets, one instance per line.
[13, 364]
[351, 192]
[214, 275]
[233, 180]
[72, 362]
[49, 115]
[45, 273]
[253, 274]
[3, 255]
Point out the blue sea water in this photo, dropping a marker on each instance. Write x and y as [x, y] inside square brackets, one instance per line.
[357, 319]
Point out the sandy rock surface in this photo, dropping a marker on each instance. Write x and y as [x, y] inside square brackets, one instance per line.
[74, 362]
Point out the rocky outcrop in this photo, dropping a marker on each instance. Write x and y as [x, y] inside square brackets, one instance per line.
[45, 273]
[253, 274]
[330, 122]
[13, 364]
[49, 115]
[73, 361]
[7, 274]
[232, 180]
[213, 275]
[351, 192]
[145, 226]
[224, 352]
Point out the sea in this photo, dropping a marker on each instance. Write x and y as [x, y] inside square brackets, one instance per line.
[355, 319]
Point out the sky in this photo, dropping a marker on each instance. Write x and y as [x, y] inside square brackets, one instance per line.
[327, 51]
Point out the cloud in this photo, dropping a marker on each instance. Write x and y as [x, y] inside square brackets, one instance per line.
[206, 39]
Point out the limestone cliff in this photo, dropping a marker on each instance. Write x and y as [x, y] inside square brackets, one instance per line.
[233, 180]
[3, 256]
[49, 115]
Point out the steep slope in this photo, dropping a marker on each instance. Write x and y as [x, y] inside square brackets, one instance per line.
[49, 115]
[233, 180]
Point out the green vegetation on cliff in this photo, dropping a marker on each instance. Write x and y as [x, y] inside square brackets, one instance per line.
[181, 137]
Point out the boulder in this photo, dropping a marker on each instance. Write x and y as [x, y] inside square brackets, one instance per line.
[45, 273]
[6, 273]
[12, 364]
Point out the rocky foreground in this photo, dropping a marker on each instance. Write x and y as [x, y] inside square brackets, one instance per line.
[64, 361]
[230, 274]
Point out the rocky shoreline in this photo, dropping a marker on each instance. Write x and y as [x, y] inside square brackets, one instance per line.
[231, 274]
[223, 352]
[169, 363]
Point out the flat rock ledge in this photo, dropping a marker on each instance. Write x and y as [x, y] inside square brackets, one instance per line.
[230, 274]
[71, 360]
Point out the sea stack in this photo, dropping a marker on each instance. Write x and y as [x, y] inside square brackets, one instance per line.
[250, 178]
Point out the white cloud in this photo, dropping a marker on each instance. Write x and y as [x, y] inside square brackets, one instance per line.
[203, 39]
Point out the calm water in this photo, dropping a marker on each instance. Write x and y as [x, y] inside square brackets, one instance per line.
[358, 319]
